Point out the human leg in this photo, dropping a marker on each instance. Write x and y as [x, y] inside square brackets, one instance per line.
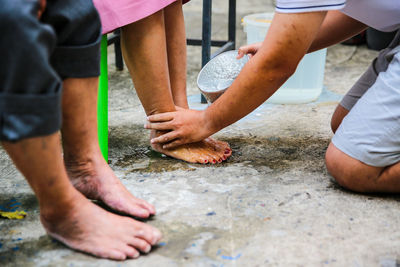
[176, 51]
[145, 52]
[364, 154]
[66, 214]
[86, 167]
[30, 109]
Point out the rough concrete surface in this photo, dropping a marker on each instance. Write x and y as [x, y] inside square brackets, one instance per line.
[271, 204]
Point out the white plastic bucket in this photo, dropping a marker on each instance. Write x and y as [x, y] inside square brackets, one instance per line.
[306, 83]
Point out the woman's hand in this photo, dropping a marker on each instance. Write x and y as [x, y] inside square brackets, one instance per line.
[250, 50]
[184, 126]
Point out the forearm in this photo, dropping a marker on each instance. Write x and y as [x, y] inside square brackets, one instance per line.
[252, 87]
[336, 28]
[288, 39]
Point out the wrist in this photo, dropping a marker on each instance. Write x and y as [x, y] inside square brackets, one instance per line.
[210, 126]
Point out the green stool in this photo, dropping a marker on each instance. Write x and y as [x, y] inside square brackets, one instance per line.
[102, 101]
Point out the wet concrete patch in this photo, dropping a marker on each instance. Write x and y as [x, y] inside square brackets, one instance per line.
[275, 153]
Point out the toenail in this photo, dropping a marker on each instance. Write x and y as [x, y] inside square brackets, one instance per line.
[136, 255]
[206, 161]
[220, 160]
[147, 249]
[214, 161]
[223, 158]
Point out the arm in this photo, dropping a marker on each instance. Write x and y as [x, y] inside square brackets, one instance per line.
[336, 28]
[287, 41]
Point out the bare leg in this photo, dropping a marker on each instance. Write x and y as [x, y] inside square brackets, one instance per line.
[337, 117]
[145, 52]
[86, 167]
[176, 51]
[357, 176]
[66, 214]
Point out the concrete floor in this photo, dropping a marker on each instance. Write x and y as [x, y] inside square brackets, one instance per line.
[272, 203]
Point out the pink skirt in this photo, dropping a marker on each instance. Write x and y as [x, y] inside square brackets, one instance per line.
[118, 13]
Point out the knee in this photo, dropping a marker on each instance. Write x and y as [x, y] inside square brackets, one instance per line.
[349, 172]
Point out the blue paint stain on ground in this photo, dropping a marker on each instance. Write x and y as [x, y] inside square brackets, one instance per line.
[15, 248]
[193, 245]
[230, 257]
[211, 213]
[218, 252]
[10, 206]
[1, 245]
[162, 244]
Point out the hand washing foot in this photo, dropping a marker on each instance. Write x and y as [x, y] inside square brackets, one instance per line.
[207, 151]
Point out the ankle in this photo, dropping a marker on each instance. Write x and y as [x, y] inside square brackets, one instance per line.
[57, 209]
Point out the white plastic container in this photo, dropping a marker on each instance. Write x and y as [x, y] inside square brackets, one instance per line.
[306, 83]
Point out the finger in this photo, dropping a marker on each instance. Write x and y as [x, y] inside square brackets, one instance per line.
[162, 126]
[240, 54]
[173, 144]
[161, 117]
[165, 138]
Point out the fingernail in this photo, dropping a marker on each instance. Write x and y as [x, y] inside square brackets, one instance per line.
[152, 141]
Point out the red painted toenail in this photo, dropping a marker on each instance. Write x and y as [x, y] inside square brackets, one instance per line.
[206, 161]
[220, 160]
[214, 161]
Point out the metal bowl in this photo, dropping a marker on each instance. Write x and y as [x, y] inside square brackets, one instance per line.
[219, 73]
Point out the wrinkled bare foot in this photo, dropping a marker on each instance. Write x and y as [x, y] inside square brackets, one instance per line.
[95, 179]
[207, 151]
[86, 227]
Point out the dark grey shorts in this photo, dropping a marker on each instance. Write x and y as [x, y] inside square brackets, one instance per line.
[370, 132]
[36, 55]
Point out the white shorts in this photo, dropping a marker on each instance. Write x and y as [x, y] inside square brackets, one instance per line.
[370, 132]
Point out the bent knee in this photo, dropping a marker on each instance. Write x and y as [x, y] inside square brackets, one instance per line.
[350, 173]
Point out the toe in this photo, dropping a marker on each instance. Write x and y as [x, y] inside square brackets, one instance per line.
[140, 244]
[150, 208]
[115, 255]
[148, 233]
[131, 252]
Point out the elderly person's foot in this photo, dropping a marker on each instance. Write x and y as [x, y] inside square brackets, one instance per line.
[207, 151]
[83, 226]
[94, 178]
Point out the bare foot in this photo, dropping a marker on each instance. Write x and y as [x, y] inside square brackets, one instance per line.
[207, 151]
[86, 227]
[95, 179]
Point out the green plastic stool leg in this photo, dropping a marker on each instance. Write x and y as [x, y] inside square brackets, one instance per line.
[102, 101]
